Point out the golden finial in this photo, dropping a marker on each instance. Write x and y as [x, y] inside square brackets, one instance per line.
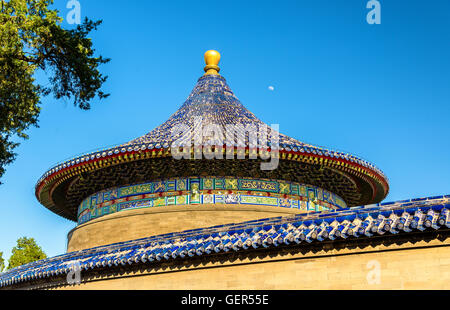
[212, 59]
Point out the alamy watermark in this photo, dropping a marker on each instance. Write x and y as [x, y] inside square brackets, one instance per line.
[374, 15]
[74, 274]
[74, 15]
[374, 274]
[213, 141]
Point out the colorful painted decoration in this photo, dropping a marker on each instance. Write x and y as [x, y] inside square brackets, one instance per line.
[209, 190]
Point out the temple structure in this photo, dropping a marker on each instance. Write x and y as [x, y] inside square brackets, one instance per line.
[191, 206]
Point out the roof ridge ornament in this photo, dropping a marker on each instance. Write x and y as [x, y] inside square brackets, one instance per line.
[212, 59]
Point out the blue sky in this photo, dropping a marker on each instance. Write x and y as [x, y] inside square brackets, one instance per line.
[381, 92]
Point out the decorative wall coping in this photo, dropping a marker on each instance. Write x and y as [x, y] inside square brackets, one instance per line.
[401, 217]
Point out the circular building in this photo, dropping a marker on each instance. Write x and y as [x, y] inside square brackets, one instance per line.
[216, 199]
[152, 186]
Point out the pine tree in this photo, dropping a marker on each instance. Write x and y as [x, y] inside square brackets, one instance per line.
[26, 251]
[32, 39]
[2, 262]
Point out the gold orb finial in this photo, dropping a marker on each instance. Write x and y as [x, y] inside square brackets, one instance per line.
[212, 59]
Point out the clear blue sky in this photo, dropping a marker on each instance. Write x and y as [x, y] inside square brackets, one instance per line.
[378, 91]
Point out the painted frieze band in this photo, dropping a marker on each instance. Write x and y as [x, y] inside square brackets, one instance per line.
[209, 190]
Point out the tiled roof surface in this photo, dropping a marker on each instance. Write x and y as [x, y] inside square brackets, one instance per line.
[213, 100]
[384, 219]
[61, 188]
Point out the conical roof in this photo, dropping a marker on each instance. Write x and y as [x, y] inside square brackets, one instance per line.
[62, 188]
[214, 102]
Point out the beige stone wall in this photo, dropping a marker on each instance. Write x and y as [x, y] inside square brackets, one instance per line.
[368, 264]
[420, 265]
[142, 223]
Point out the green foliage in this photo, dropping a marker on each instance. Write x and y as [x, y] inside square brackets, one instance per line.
[32, 39]
[2, 262]
[26, 251]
